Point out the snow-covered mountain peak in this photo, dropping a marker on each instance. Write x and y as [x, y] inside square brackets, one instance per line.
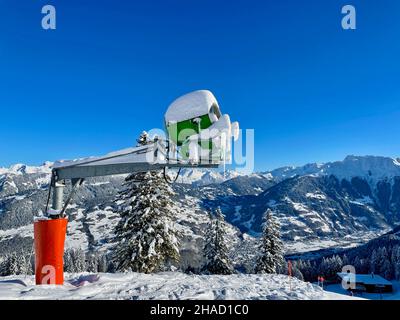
[18, 169]
[372, 168]
[203, 177]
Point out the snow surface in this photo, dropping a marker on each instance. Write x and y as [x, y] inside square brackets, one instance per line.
[166, 286]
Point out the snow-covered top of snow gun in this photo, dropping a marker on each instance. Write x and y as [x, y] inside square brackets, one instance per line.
[193, 105]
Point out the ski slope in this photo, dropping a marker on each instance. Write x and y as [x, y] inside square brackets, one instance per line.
[163, 286]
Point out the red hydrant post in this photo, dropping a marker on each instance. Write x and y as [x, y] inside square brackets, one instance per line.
[49, 240]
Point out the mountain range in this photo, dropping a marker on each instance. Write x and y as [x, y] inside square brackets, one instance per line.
[328, 204]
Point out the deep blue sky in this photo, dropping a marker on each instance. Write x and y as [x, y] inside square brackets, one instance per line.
[312, 91]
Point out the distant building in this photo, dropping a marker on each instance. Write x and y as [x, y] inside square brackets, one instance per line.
[368, 282]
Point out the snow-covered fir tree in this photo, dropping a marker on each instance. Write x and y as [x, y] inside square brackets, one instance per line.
[382, 260]
[296, 272]
[307, 269]
[75, 260]
[396, 262]
[270, 250]
[386, 270]
[92, 263]
[330, 266]
[102, 264]
[147, 240]
[385, 267]
[361, 265]
[14, 264]
[345, 260]
[373, 262]
[216, 250]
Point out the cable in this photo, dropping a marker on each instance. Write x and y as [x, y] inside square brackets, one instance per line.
[169, 180]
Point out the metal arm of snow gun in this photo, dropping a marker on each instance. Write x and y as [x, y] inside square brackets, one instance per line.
[199, 136]
[153, 157]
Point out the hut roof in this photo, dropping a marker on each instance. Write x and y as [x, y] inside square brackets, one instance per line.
[366, 278]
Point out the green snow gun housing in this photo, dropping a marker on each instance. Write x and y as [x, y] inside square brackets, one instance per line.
[198, 129]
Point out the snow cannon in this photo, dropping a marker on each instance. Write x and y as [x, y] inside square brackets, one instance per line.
[196, 126]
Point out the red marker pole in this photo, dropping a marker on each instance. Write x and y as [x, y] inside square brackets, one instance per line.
[290, 274]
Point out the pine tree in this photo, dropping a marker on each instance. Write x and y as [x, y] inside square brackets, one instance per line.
[68, 264]
[216, 246]
[147, 240]
[384, 267]
[358, 265]
[345, 260]
[102, 263]
[336, 266]
[324, 268]
[396, 262]
[386, 270]
[92, 263]
[373, 262]
[307, 270]
[79, 260]
[393, 256]
[14, 264]
[361, 265]
[75, 260]
[296, 272]
[271, 247]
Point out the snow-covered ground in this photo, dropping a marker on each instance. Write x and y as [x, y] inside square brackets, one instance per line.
[166, 286]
